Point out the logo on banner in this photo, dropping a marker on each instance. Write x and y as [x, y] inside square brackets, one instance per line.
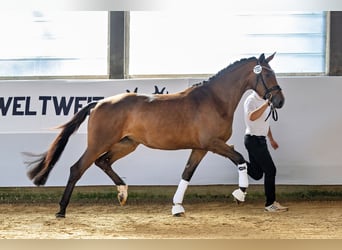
[51, 105]
[22, 105]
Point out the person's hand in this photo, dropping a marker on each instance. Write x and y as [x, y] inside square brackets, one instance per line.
[274, 144]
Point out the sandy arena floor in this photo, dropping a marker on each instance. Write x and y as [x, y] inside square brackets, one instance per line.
[213, 220]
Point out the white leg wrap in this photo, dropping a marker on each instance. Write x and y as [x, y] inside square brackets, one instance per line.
[178, 210]
[243, 176]
[179, 195]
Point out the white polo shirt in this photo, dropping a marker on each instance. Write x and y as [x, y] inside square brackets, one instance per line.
[258, 127]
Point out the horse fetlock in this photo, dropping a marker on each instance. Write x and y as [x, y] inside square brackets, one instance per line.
[178, 210]
[122, 194]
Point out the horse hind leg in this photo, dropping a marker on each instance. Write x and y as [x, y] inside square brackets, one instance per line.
[76, 172]
[104, 162]
[195, 158]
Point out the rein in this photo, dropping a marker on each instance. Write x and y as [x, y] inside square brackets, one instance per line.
[274, 113]
[268, 91]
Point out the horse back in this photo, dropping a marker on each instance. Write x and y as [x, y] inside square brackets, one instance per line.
[173, 121]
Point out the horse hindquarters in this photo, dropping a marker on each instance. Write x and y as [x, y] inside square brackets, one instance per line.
[104, 147]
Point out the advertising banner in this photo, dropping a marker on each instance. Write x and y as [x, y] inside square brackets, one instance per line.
[308, 133]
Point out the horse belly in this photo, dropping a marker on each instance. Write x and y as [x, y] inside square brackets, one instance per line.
[169, 142]
[165, 134]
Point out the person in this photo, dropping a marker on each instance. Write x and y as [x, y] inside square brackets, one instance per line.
[261, 164]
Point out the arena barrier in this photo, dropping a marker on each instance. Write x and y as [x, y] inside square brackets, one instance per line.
[308, 132]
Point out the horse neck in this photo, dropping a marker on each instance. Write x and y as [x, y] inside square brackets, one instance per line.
[230, 87]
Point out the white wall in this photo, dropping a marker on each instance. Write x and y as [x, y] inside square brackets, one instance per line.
[308, 132]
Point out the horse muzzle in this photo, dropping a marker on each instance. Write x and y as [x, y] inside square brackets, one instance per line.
[278, 100]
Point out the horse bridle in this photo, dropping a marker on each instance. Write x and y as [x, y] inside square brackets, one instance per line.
[268, 91]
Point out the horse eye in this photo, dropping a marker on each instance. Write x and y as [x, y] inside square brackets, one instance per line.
[268, 75]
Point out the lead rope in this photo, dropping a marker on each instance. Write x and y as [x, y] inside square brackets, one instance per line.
[274, 113]
[273, 110]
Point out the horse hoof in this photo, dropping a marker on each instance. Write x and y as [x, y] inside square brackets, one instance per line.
[122, 199]
[122, 194]
[237, 201]
[60, 215]
[179, 215]
[239, 196]
[178, 210]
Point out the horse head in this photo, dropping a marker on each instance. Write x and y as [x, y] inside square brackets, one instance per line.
[265, 82]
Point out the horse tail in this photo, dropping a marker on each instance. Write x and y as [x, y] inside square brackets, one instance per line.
[40, 171]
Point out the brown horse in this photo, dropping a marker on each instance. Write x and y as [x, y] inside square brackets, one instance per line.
[199, 118]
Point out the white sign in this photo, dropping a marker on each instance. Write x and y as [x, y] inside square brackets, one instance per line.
[38, 106]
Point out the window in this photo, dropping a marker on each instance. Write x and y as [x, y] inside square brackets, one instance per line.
[62, 43]
[205, 42]
[75, 43]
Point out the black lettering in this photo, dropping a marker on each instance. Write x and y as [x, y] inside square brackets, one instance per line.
[95, 98]
[78, 105]
[4, 107]
[45, 99]
[63, 105]
[17, 105]
[27, 107]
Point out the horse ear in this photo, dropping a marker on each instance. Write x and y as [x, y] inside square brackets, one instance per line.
[268, 59]
[261, 58]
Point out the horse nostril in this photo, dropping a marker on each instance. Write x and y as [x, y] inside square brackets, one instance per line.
[281, 103]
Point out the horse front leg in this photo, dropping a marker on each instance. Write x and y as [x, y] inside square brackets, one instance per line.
[220, 147]
[195, 158]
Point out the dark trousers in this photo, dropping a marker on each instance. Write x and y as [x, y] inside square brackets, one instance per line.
[261, 164]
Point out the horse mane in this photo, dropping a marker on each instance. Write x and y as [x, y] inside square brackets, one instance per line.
[231, 67]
